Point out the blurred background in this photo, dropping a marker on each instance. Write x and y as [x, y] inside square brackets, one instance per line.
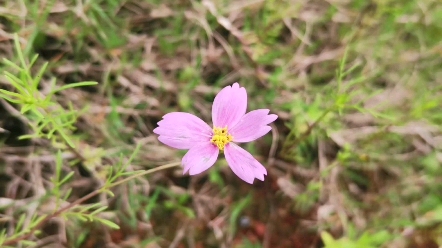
[354, 159]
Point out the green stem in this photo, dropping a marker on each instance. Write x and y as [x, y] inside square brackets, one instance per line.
[14, 240]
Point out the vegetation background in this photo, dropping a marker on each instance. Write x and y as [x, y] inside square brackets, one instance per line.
[354, 159]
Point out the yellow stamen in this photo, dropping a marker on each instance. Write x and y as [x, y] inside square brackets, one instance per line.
[221, 137]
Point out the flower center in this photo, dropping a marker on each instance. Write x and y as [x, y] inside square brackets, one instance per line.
[221, 137]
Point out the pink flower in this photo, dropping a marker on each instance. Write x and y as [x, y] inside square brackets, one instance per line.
[230, 124]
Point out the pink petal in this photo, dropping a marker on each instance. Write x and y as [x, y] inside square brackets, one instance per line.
[229, 106]
[243, 164]
[252, 125]
[200, 158]
[182, 130]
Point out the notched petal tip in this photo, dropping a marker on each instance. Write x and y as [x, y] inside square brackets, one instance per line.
[155, 130]
[182, 130]
[253, 125]
[271, 118]
[229, 105]
[243, 164]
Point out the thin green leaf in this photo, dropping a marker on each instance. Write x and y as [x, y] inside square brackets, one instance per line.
[16, 82]
[67, 194]
[73, 85]
[27, 242]
[92, 206]
[20, 222]
[10, 99]
[80, 217]
[28, 136]
[11, 64]
[66, 138]
[38, 114]
[110, 193]
[33, 60]
[98, 210]
[10, 93]
[109, 223]
[51, 133]
[58, 165]
[25, 108]
[67, 177]
[39, 75]
[36, 219]
[18, 50]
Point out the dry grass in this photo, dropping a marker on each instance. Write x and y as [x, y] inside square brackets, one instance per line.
[360, 161]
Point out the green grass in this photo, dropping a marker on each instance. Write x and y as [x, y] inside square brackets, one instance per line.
[354, 159]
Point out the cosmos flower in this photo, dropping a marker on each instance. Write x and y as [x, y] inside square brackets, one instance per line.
[231, 125]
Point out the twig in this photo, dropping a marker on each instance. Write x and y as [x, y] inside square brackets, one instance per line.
[274, 146]
[83, 199]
